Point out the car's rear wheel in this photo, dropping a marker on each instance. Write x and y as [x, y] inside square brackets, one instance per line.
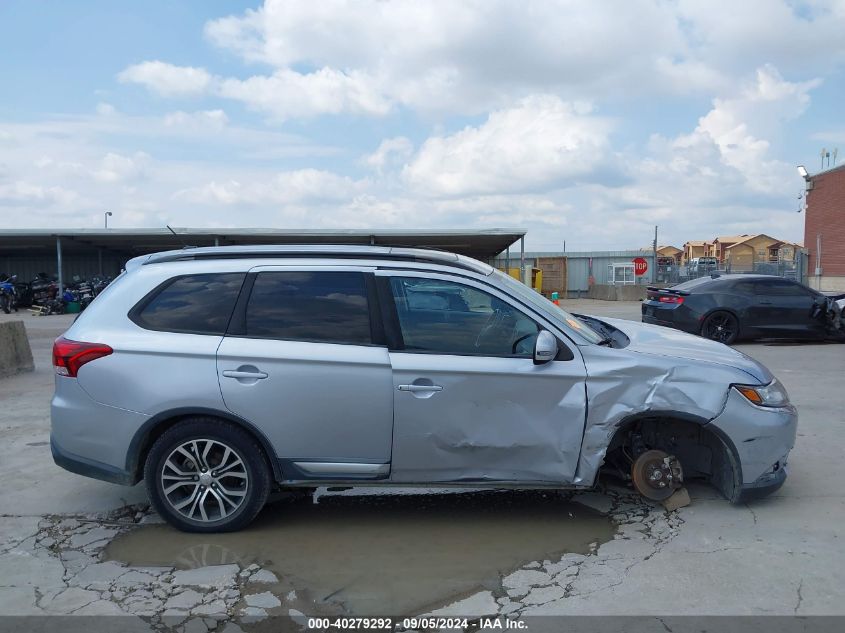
[206, 475]
[721, 326]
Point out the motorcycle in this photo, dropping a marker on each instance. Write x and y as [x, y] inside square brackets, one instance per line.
[99, 283]
[82, 291]
[8, 294]
[44, 299]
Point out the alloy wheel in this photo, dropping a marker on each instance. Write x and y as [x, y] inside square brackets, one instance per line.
[721, 327]
[204, 480]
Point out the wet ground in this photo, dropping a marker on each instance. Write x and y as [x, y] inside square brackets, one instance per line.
[396, 554]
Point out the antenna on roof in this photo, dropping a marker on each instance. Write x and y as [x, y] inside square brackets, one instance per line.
[176, 235]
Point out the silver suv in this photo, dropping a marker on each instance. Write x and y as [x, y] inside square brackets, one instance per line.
[220, 374]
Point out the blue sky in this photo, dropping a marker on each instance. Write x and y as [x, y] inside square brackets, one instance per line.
[573, 120]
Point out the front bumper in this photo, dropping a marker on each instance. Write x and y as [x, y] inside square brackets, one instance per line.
[762, 439]
[766, 485]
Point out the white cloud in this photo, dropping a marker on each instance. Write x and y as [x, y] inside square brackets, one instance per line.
[287, 93]
[106, 109]
[116, 167]
[27, 193]
[740, 128]
[166, 79]
[391, 151]
[201, 120]
[540, 144]
[469, 57]
[303, 185]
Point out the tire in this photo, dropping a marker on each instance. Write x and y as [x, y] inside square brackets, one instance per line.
[721, 326]
[207, 501]
[4, 304]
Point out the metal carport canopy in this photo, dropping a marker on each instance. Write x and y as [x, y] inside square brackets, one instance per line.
[481, 244]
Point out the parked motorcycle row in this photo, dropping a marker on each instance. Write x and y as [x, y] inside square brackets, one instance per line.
[41, 294]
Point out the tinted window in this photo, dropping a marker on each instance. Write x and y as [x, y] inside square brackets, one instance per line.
[199, 304]
[329, 307]
[780, 289]
[693, 283]
[451, 318]
[745, 287]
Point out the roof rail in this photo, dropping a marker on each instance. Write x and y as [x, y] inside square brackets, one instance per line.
[341, 251]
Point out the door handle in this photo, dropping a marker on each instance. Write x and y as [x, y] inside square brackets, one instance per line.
[254, 375]
[420, 388]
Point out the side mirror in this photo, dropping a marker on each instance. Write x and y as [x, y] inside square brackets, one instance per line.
[545, 347]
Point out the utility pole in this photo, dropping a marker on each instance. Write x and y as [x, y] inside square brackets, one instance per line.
[654, 256]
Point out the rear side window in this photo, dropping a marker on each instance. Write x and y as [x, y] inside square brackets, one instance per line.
[781, 289]
[326, 307]
[194, 304]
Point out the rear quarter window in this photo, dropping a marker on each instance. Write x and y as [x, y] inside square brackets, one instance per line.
[696, 284]
[192, 304]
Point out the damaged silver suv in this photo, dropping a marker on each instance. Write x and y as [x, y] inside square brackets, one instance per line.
[217, 375]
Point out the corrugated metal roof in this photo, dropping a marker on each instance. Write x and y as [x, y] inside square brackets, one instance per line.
[481, 244]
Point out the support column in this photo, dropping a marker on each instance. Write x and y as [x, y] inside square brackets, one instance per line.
[216, 241]
[522, 259]
[59, 261]
[508, 260]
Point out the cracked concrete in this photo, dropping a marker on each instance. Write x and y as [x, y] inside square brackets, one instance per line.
[780, 555]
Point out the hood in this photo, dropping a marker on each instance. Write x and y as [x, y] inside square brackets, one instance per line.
[664, 341]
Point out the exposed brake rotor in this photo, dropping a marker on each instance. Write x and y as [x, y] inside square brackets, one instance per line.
[657, 475]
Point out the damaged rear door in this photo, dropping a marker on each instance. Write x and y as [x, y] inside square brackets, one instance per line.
[469, 402]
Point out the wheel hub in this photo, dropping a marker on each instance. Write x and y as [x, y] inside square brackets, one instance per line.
[656, 475]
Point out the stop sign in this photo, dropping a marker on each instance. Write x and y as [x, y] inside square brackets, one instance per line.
[640, 266]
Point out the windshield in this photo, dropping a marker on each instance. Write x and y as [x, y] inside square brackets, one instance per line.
[538, 301]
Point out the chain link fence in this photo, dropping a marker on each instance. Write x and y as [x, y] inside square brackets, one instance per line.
[669, 272]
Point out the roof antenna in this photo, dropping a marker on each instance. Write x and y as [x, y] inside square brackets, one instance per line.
[176, 235]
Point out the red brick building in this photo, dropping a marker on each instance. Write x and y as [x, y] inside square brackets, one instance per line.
[824, 229]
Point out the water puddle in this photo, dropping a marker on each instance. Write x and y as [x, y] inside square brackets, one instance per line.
[383, 554]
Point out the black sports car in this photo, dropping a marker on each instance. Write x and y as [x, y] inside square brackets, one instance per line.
[730, 307]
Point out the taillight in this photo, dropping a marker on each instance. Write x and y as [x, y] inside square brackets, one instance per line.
[671, 299]
[69, 356]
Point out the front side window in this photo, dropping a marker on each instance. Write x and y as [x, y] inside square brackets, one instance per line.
[327, 307]
[450, 318]
[195, 304]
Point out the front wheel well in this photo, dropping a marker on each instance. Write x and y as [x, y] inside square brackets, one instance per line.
[155, 427]
[704, 451]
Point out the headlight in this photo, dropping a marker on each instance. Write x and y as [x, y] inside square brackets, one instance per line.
[771, 395]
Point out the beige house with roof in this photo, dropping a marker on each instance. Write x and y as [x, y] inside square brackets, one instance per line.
[741, 252]
[719, 246]
[744, 253]
[667, 251]
[695, 248]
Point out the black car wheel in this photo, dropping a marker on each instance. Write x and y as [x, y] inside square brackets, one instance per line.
[205, 475]
[721, 326]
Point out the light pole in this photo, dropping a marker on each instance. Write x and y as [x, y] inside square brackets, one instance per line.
[106, 218]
